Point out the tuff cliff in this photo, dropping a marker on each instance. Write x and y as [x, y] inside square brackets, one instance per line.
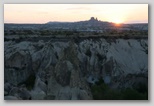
[65, 70]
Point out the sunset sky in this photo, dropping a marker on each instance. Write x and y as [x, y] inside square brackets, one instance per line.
[42, 13]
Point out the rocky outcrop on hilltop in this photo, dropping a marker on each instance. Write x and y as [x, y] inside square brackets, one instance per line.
[66, 70]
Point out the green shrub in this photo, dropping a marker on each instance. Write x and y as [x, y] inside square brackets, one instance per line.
[131, 94]
[142, 88]
[102, 91]
[29, 82]
[88, 53]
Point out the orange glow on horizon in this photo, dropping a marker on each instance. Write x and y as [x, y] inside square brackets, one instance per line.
[117, 24]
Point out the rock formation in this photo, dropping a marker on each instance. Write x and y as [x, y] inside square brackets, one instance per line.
[63, 70]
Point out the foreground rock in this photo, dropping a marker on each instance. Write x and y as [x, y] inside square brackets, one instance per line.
[66, 81]
[18, 67]
[65, 70]
[10, 98]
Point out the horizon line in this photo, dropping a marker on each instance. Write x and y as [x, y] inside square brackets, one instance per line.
[72, 22]
[91, 18]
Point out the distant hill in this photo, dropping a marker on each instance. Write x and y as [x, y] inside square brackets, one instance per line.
[93, 24]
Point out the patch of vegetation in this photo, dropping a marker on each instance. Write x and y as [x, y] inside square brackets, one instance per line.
[141, 88]
[102, 91]
[132, 94]
[100, 57]
[88, 53]
[30, 82]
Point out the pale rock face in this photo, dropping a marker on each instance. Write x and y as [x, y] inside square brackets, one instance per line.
[14, 91]
[18, 61]
[128, 55]
[65, 83]
[40, 85]
[107, 79]
[44, 58]
[7, 87]
[18, 67]
[39, 90]
[24, 94]
[20, 93]
[63, 72]
[10, 98]
[38, 95]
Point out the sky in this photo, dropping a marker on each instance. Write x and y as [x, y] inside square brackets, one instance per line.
[43, 13]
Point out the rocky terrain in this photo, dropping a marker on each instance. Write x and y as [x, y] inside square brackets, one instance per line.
[47, 70]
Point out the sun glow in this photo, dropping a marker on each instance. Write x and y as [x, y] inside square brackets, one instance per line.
[118, 21]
